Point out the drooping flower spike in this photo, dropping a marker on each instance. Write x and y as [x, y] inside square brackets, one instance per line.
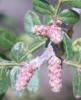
[24, 77]
[55, 74]
[27, 71]
[53, 32]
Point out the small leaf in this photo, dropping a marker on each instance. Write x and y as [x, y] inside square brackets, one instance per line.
[69, 16]
[75, 3]
[47, 19]
[44, 1]
[30, 20]
[78, 57]
[67, 45]
[18, 52]
[34, 85]
[7, 40]
[13, 76]
[76, 46]
[3, 60]
[28, 40]
[40, 10]
[30, 57]
[77, 84]
[43, 7]
[4, 80]
[5, 19]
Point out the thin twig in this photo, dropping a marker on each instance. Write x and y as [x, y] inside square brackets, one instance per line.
[71, 63]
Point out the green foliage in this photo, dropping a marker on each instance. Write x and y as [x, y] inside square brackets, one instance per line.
[4, 77]
[4, 80]
[18, 52]
[3, 60]
[13, 77]
[34, 84]
[77, 84]
[69, 16]
[30, 57]
[67, 46]
[78, 56]
[74, 3]
[7, 20]
[28, 40]
[43, 7]
[30, 20]
[47, 19]
[7, 40]
[76, 46]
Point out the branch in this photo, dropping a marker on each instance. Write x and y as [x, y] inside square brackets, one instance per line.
[11, 64]
[38, 46]
[71, 63]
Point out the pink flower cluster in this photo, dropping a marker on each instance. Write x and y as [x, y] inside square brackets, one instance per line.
[55, 74]
[41, 30]
[24, 77]
[53, 32]
[54, 70]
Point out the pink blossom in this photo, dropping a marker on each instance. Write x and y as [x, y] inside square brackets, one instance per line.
[53, 32]
[40, 30]
[24, 77]
[55, 78]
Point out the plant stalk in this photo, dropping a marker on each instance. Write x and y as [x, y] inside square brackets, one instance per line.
[71, 63]
[12, 64]
[57, 10]
[58, 7]
[38, 46]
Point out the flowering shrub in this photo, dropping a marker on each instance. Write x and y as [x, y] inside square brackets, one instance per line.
[20, 68]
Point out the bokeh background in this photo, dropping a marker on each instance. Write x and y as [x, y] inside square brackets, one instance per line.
[17, 9]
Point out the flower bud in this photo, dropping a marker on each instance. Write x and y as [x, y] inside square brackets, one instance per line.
[58, 22]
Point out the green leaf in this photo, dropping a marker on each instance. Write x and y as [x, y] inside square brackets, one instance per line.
[5, 19]
[30, 57]
[3, 60]
[76, 46]
[30, 20]
[47, 19]
[33, 85]
[13, 76]
[4, 80]
[67, 46]
[40, 10]
[77, 84]
[28, 40]
[78, 56]
[75, 3]
[7, 40]
[69, 16]
[18, 52]
[43, 7]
